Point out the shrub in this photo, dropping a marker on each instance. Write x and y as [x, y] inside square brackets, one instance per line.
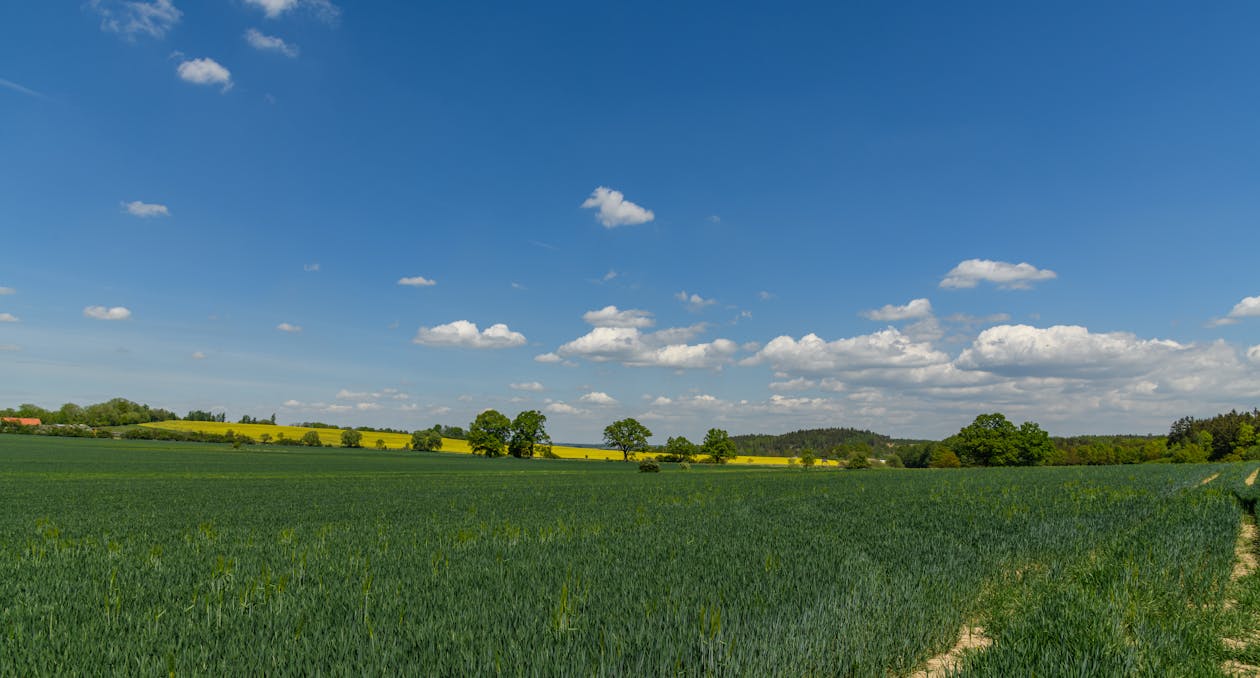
[858, 460]
[649, 466]
[894, 461]
[684, 466]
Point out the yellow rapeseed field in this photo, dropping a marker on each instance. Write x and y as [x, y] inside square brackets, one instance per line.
[400, 441]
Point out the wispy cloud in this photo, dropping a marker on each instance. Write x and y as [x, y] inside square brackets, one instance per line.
[694, 302]
[289, 327]
[270, 43]
[9, 84]
[146, 210]
[130, 18]
[107, 313]
[323, 9]
[417, 281]
[916, 308]
[311, 268]
[8, 318]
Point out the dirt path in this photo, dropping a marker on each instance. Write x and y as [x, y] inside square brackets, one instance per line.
[1251, 479]
[1244, 564]
[1210, 478]
[969, 638]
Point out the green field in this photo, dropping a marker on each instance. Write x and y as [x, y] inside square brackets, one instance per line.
[143, 558]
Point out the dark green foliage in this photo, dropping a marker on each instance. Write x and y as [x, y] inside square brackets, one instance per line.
[351, 438]
[649, 466]
[627, 435]
[943, 457]
[992, 440]
[857, 461]
[718, 446]
[529, 433]
[137, 558]
[679, 450]
[789, 444]
[116, 412]
[311, 439]
[489, 433]
[1233, 432]
[808, 458]
[894, 461]
[428, 440]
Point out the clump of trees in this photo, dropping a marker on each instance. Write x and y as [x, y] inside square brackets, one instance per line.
[429, 440]
[1225, 437]
[492, 434]
[718, 446]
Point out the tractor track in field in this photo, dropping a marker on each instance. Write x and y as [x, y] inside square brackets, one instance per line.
[970, 639]
[1244, 564]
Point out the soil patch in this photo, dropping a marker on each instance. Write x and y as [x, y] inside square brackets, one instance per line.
[1251, 479]
[1210, 478]
[969, 638]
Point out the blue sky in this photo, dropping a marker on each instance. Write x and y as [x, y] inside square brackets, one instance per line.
[886, 216]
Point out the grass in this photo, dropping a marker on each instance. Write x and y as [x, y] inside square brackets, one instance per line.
[141, 557]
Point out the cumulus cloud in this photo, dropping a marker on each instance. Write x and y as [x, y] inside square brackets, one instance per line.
[1005, 275]
[811, 355]
[1064, 350]
[1253, 354]
[694, 302]
[1249, 307]
[130, 18]
[548, 358]
[290, 328]
[633, 348]
[527, 386]
[146, 210]
[598, 398]
[104, 313]
[8, 318]
[268, 43]
[417, 281]
[323, 9]
[562, 408]
[205, 72]
[465, 334]
[915, 308]
[611, 316]
[615, 210]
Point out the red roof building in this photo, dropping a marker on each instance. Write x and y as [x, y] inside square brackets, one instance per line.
[20, 420]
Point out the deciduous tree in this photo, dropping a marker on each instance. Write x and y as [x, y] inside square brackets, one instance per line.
[718, 446]
[489, 432]
[627, 435]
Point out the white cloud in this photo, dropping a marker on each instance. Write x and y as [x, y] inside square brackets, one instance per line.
[1064, 351]
[615, 210]
[8, 318]
[527, 386]
[630, 347]
[609, 276]
[287, 327]
[7, 290]
[9, 84]
[548, 358]
[967, 319]
[198, 355]
[146, 210]
[797, 384]
[205, 72]
[311, 268]
[563, 408]
[1249, 307]
[598, 398]
[765, 296]
[611, 316]
[916, 308]
[132, 17]
[103, 313]
[465, 334]
[324, 9]
[811, 355]
[10, 347]
[269, 43]
[1253, 354]
[1005, 275]
[417, 281]
[367, 407]
[694, 302]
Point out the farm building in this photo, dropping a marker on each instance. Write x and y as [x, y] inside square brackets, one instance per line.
[20, 420]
